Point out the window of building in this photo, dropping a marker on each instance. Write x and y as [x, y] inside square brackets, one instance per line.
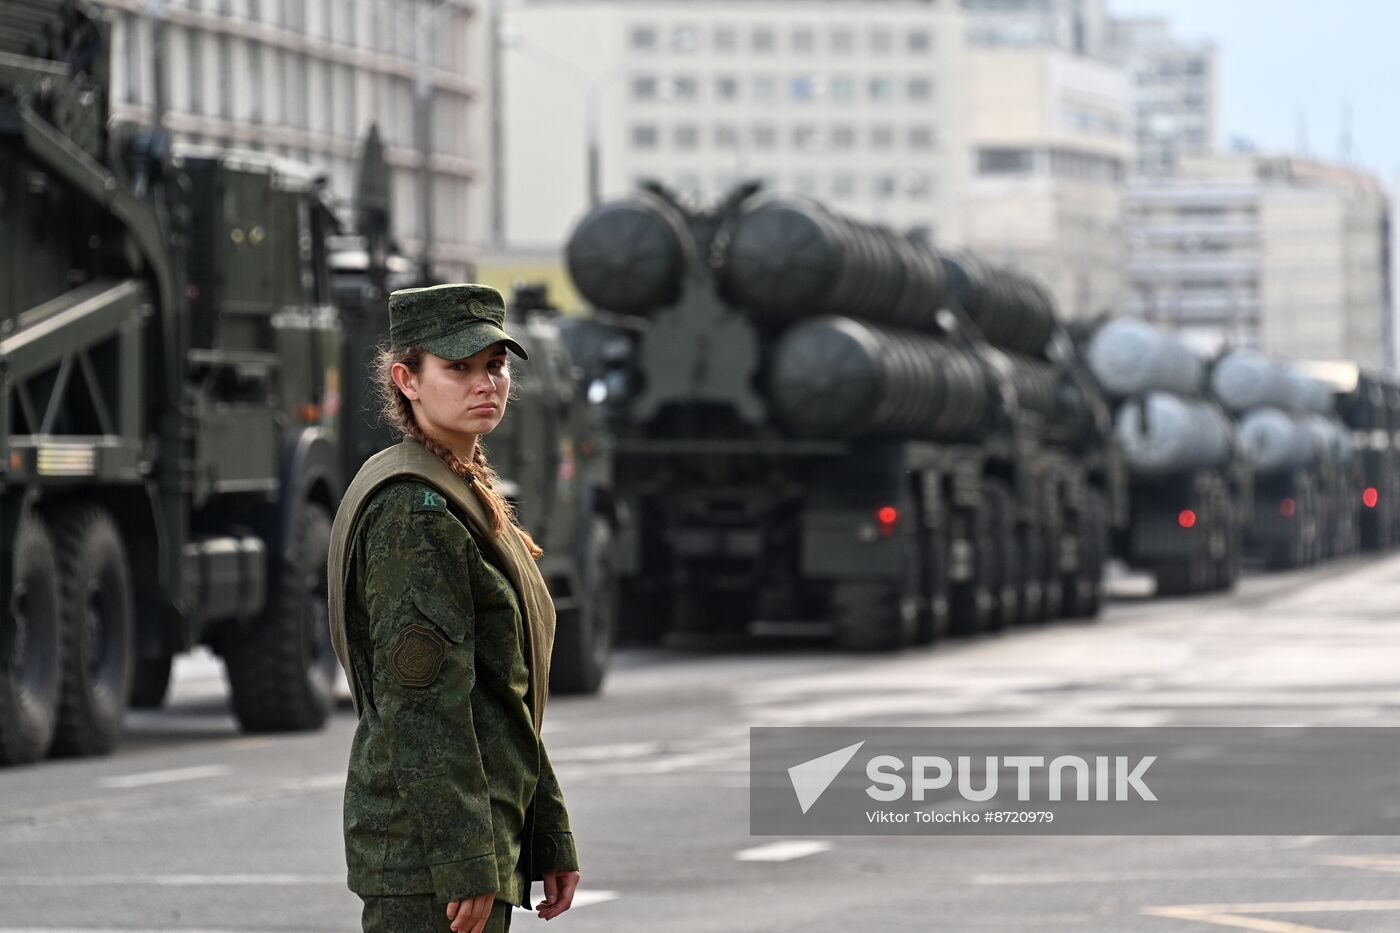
[882, 138]
[884, 186]
[918, 185]
[1083, 166]
[685, 39]
[726, 87]
[803, 40]
[803, 88]
[255, 81]
[843, 41]
[805, 183]
[194, 72]
[687, 136]
[726, 136]
[643, 136]
[881, 42]
[225, 69]
[805, 137]
[919, 40]
[131, 58]
[1004, 161]
[843, 137]
[349, 109]
[761, 40]
[764, 136]
[685, 87]
[765, 87]
[881, 89]
[724, 39]
[643, 87]
[920, 88]
[843, 88]
[641, 38]
[921, 138]
[843, 186]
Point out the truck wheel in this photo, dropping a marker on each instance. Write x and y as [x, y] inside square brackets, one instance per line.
[1083, 591]
[971, 603]
[872, 616]
[934, 620]
[581, 650]
[99, 622]
[1032, 546]
[282, 673]
[1009, 578]
[150, 681]
[31, 647]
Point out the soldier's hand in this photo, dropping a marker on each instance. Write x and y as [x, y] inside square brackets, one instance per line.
[470, 915]
[558, 893]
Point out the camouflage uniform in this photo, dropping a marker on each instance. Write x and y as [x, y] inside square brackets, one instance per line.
[450, 792]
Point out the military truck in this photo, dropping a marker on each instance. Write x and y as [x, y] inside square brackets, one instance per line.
[168, 411]
[1307, 482]
[1190, 483]
[827, 426]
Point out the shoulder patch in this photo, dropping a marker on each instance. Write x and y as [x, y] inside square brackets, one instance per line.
[416, 656]
[428, 500]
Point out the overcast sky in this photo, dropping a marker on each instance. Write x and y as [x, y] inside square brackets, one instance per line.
[1278, 56]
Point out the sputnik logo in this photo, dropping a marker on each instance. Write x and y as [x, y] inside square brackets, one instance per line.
[811, 778]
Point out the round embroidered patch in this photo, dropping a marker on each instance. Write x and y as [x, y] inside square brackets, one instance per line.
[416, 656]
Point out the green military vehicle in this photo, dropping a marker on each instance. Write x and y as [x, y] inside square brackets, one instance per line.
[169, 409]
[174, 382]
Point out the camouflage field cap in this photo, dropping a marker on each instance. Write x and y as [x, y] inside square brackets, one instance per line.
[450, 321]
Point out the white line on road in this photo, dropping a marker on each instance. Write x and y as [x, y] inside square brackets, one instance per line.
[170, 776]
[783, 851]
[165, 881]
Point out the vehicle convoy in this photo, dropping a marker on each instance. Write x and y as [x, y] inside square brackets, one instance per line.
[824, 422]
[173, 410]
[1190, 483]
[1306, 480]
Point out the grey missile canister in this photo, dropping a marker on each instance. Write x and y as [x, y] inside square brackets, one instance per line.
[1309, 394]
[837, 377]
[1275, 440]
[788, 258]
[627, 255]
[1009, 309]
[1161, 434]
[1243, 380]
[1131, 357]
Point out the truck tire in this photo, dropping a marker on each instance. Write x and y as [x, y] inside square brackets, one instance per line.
[1083, 590]
[1032, 548]
[150, 681]
[581, 650]
[872, 616]
[971, 603]
[99, 623]
[1009, 574]
[934, 620]
[282, 673]
[31, 647]
[1051, 585]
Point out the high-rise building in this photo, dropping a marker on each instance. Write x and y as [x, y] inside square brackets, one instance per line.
[1079, 27]
[1049, 138]
[306, 78]
[1174, 92]
[856, 102]
[1284, 254]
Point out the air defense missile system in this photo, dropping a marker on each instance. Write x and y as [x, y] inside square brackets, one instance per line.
[1190, 482]
[827, 426]
[1306, 481]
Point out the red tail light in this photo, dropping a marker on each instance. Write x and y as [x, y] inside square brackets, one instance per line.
[1370, 497]
[1186, 518]
[1288, 508]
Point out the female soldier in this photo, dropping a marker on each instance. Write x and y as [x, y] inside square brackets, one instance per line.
[444, 627]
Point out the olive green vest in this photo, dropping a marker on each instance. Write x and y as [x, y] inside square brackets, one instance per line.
[411, 460]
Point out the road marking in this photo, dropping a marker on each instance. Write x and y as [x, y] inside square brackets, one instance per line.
[783, 851]
[170, 776]
[1235, 915]
[1209, 874]
[1388, 863]
[166, 881]
[583, 898]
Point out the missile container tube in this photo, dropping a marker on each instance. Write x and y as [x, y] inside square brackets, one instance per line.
[830, 427]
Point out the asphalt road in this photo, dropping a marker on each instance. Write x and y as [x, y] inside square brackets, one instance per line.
[193, 827]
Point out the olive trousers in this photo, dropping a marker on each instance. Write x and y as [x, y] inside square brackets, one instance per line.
[421, 913]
